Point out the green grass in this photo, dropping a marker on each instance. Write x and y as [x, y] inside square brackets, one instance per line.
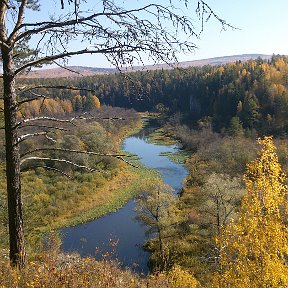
[137, 126]
[179, 157]
[161, 138]
[118, 197]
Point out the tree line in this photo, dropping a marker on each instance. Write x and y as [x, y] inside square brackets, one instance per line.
[56, 106]
[250, 96]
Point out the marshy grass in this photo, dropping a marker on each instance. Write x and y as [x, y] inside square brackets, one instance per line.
[161, 137]
[178, 157]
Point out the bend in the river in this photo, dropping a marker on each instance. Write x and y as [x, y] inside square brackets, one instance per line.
[118, 234]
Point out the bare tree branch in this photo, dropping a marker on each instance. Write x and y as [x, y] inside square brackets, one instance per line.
[45, 126]
[118, 156]
[74, 151]
[50, 58]
[69, 121]
[141, 34]
[48, 168]
[45, 118]
[3, 31]
[127, 162]
[2, 43]
[50, 24]
[19, 21]
[99, 118]
[61, 161]
[208, 12]
[32, 135]
[24, 89]
[32, 99]
[50, 138]
[68, 69]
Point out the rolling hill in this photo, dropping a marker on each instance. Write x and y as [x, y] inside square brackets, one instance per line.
[79, 71]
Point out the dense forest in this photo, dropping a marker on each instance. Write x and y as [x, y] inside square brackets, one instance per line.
[251, 95]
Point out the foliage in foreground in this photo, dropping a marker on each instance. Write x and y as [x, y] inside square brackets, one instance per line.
[211, 199]
[51, 269]
[58, 270]
[254, 249]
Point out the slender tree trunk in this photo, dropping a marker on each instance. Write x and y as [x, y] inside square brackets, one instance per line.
[218, 215]
[160, 241]
[159, 229]
[16, 234]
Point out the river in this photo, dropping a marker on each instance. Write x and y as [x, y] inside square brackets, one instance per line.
[118, 235]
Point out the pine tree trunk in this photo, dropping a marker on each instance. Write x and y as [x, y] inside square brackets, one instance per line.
[15, 213]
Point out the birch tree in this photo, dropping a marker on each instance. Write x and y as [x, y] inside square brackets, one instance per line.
[254, 249]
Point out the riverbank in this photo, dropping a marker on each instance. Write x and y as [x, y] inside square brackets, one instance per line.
[94, 195]
[162, 137]
[127, 182]
[112, 196]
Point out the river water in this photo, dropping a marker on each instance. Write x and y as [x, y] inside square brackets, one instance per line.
[118, 234]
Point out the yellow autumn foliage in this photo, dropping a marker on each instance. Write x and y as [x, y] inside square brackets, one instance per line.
[177, 277]
[180, 278]
[96, 102]
[254, 249]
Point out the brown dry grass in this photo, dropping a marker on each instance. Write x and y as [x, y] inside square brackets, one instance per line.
[59, 270]
[52, 269]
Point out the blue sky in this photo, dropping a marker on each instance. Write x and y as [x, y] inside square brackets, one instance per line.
[262, 27]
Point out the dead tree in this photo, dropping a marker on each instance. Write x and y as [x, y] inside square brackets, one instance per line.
[121, 34]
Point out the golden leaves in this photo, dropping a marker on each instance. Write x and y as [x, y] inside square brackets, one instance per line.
[253, 249]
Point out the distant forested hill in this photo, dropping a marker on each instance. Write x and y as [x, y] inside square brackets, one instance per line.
[250, 95]
[80, 71]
